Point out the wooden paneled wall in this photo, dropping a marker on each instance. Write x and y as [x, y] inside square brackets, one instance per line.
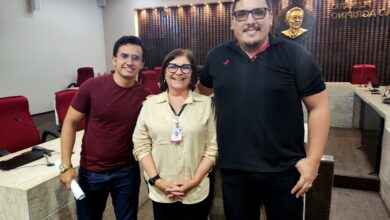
[337, 43]
[198, 27]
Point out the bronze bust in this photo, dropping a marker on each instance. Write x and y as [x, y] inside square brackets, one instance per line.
[294, 19]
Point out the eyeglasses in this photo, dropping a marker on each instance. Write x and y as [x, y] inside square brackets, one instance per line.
[133, 58]
[257, 13]
[185, 68]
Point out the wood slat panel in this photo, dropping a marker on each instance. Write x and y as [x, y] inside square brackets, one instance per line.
[338, 44]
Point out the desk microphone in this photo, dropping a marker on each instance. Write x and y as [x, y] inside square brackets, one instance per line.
[387, 88]
[48, 163]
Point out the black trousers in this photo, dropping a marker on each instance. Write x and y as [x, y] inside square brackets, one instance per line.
[243, 193]
[179, 211]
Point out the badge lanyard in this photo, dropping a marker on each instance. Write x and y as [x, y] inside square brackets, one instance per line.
[177, 132]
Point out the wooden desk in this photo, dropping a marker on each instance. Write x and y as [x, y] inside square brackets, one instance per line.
[374, 124]
[375, 102]
[34, 191]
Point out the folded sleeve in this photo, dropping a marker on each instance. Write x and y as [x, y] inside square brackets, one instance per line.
[310, 79]
[211, 148]
[141, 139]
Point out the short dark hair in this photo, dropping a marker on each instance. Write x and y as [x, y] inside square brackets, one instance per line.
[269, 4]
[171, 56]
[128, 40]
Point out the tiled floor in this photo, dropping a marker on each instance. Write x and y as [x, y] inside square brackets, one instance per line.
[350, 204]
[347, 204]
[344, 145]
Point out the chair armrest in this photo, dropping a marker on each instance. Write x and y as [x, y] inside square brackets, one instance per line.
[47, 132]
[72, 84]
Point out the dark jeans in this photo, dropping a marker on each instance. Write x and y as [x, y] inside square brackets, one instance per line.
[123, 184]
[243, 193]
[179, 211]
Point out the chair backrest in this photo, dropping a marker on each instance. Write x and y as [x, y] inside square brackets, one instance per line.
[17, 129]
[83, 74]
[62, 103]
[157, 69]
[362, 73]
[149, 80]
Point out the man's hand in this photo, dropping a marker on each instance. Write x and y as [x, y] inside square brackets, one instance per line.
[67, 176]
[309, 171]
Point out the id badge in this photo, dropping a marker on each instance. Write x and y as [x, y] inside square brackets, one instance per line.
[177, 135]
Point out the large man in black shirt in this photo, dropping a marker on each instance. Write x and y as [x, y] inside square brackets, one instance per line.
[259, 83]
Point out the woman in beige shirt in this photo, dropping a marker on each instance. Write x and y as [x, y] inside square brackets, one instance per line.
[175, 142]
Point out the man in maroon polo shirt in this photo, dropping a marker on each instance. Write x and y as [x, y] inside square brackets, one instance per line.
[110, 104]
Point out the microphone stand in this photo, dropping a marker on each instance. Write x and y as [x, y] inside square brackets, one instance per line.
[48, 163]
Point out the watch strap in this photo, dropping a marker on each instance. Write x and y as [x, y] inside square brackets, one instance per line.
[65, 166]
[153, 180]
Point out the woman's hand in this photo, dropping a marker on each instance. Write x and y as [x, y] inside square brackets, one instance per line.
[171, 190]
[182, 187]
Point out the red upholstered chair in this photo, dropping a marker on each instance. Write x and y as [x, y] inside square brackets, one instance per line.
[83, 74]
[157, 69]
[362, 73]
[17, 129]
[149, 80]
[62, 103]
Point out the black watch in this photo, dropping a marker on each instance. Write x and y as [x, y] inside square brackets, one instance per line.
[153, 180]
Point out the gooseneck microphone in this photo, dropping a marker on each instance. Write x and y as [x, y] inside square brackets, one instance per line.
[48, 163]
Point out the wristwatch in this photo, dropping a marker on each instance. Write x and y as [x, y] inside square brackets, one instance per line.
[153, 180]
[64, 167]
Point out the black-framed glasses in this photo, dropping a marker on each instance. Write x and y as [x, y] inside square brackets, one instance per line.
[257, 13]
[127, 57]
[185, 68]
